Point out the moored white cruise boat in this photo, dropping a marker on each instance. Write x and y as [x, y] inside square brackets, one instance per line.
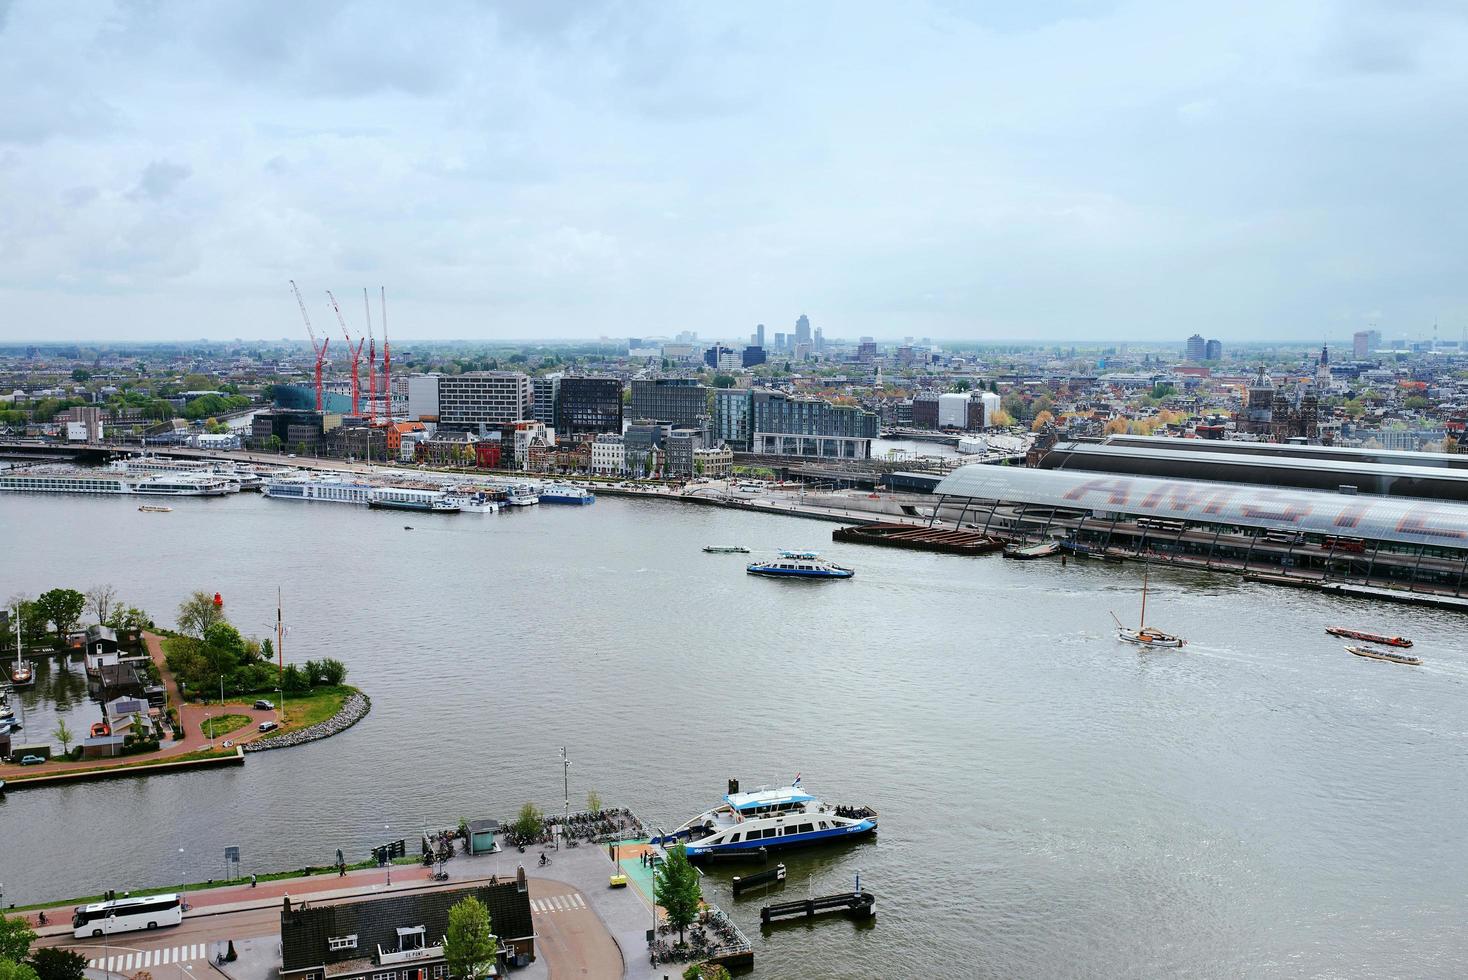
[786, 816]
[564, 493]
[187, 485]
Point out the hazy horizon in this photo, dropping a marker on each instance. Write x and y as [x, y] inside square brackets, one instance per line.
[989, 173]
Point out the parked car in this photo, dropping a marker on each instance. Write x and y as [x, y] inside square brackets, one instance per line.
[31, 760]
[268, 726]
[264, 705]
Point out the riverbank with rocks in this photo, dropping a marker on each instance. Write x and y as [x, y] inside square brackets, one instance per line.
[353, 710]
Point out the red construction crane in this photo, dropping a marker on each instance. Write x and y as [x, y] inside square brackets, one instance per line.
[320, 348]
[386, 359]
[371, 362]
[356, 355]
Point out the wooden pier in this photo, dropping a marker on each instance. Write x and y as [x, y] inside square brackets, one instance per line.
[770, 876]
[919, 538]
[862, 905]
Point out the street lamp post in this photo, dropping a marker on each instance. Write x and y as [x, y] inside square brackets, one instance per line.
[566, 786]
[209, 724]
[388, 827]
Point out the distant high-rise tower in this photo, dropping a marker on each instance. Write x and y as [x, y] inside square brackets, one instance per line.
[1213, 351]
[802, 330]
[820, 342]
[1361, 345]
[759, 335]
[1196, 348]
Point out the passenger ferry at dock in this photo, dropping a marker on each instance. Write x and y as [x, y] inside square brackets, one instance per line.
[799, 564]
[562, 493]
[408, 498]
[786, 816]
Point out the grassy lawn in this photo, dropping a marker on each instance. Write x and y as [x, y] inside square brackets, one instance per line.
[305, 710]
[223, 724]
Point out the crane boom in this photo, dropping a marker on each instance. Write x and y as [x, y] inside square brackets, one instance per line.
[355, 353]
[319, 348]
[371, 361]
[386, 359]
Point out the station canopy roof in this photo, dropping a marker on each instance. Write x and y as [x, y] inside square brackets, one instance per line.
[1401, 519]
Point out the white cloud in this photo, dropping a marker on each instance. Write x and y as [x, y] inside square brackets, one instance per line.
[1079, 168]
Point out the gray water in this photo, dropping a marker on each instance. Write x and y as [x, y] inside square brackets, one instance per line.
[1052, 803]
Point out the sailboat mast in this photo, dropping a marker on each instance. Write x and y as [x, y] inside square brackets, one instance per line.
[279, 637]
[1143, 624]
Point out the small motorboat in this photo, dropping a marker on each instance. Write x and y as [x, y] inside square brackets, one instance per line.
[407, 527]
[1371, 653]
[799, 564]
[150, 509]
[1043, 550]
[725, 549]
[1391, 641]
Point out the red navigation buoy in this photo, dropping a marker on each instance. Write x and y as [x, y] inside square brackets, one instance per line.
[218, 600]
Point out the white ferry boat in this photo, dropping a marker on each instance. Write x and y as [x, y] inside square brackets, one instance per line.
[562, 493]
[187, 485]
[799, 564]
[248, 479]
[520, 494]
[786, 816]
[473, 501]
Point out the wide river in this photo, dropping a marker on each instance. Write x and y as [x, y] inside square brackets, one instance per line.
[1053, 803]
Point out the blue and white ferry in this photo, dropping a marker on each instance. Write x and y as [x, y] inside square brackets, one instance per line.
[786, 816]
[564, 493]
[799, 564]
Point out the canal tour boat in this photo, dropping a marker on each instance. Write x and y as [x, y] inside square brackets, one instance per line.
[799, 564]
[1391, 641]
[786, 816]
[1371, 653]
[725, 549]
[1145, 635]
[564, 493]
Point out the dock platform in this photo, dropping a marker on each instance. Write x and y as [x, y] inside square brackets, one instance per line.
[919, 538]
[862, 905]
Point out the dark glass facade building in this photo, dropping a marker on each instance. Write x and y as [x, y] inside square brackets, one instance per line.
[588, 406]
[681, 401]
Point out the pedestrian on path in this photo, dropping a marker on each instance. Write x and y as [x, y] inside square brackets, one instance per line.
[253, 879]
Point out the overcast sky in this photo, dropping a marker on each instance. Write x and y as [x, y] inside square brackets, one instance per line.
[1073, 169]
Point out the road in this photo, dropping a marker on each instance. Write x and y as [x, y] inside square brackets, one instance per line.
[571, 940]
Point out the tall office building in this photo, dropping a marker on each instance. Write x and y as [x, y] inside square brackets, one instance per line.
[680, 401]
[759, 335]
[1363, 342]
[589, 406]
[802, 330]
[820, 342]
[779, 341]
[753, 356]
[547, 390]
[1196, 348]
[1212, 351]
[475, 399]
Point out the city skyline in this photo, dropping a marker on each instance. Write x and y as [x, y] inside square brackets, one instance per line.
[1079, 169]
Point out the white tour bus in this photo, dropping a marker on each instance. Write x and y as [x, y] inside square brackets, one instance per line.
[127, 914]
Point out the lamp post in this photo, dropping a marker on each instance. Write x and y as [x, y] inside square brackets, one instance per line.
[221, 693]
[388, 827]
[565, 785]
[209, 724]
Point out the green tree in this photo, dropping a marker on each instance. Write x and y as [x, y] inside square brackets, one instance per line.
[16, 937]
[723, 381]
[593, 800]
[54, 963]
[706, 971]
[530, 821]
[63, 608]
[62, 734]
[11, 970]
[81, 374]
[469, 947]
[675, 887]
[222, 649]
[295, 680]
[333, 672]
[197, 613]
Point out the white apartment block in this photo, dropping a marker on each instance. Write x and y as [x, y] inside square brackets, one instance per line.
[609, 456]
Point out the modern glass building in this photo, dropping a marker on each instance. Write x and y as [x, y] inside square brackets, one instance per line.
[777, 424]
[681, 401]
[589, 406]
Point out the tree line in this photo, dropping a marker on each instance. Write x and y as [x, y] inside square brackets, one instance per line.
[54, 614]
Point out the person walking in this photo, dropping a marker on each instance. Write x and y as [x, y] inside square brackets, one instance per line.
[253, 880]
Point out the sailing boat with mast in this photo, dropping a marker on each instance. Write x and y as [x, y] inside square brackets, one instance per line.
[22, 674]
[1145, 635]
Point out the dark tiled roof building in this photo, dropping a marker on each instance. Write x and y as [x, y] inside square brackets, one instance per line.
[395, 937]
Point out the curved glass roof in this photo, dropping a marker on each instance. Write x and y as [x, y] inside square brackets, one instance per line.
[1403, 519]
